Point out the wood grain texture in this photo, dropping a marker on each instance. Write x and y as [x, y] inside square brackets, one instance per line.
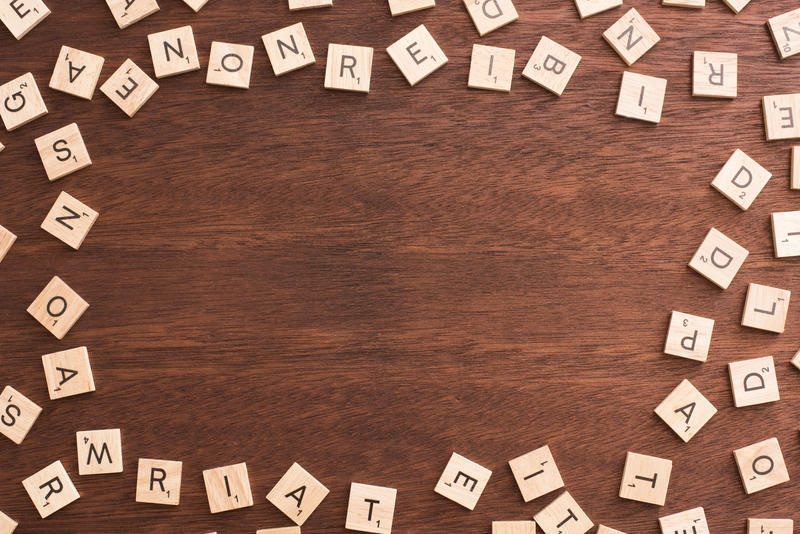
[364, 284]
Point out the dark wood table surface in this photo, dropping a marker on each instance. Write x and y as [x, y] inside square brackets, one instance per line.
[366, 283]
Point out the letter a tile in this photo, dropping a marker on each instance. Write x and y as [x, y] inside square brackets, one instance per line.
[297, 494]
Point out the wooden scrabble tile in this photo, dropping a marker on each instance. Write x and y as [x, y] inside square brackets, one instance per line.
[297, 494]
[766, 307]
[21, 16]
[50, 489]
[22, 102]
[796, 360]
[754, 381]
[489, 15]
[513, 527]
[159, 481]
[770, 526]
[196, 5]
[370, 508]
[228, 488]
[795, 179]
[761, 465]
[69, 220]
[57, 307]
[127, 12]
[551, 65]
[693, 521]
[631, 36]
[173, 52]
[7, 239]
[641, 97]
[718, 258]
[785, 30]
[296, 5]
[587, 8]
[741, 179]
[76, 72]
[685, 410]
[63, 152]
[230, 65]
[463, 481]
[736, 5]
[349, 68]
[781, 116]
[288, 49]
[17, 414]
[68, 373]
[7, 525]
[786, 233]
[563, 516]
[129, 88]
[602, 529]
[491, 68]
[536, 473]
[714, 74]
[417, 55]
[99, 451]
[2, 147]
[645, 479]
[401, 7]
[282, 530]
[689, 336]
[684, 3]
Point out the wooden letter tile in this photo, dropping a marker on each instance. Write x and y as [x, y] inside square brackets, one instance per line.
[282, 530]
[6, 240]
[693, 521]
[22, 102]
[689, 336]
[57, 307]
[228, 488]
[795, 180]
[159, 482]
[645, 479]
[761, 465]
[173, 52]
[491, 68]
[288, 49]
[718, 258]
[50, 489]
[297, 494]
[770, 526]
[68, 373]
[714, 74]
[781, 116]
[7, 525]
[602, 529]
[129, 87]
[641, 97]
[631, 36]
[786, 233]
[685, 410]
[489, 15]
[753, 381]
[349, 68]
[741, 179]
[536, 473]
[76, 72]
[551, 65]
[513, 527]
[417, 55]
[463, 481]
[736, 5]
[17, 414]
[766, 307]
[63, 152]
[99, 451]
[69, 220]
[587, 8]
[196, 5]
[785, 30]
[127, 12]
[370, 508]
[296, 5]
[563, 516]
[684, 3]
[21, 16]
[230, 65]
[401, 7]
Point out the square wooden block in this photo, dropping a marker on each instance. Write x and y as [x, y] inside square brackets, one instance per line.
[22, 102]
[230, 65]
[689, 336]
[489, 15]
[17, 414]
[587, 8]
[173, 52]
[718, 258]
[795, 178]
[63, 152]
[99, 451]
[770, 526]
[693, 521]
[753, 381]
[641, 97]
[7, 525]
[7, 239]
[370, 508]
[602, 529]
[645, 479]
[536, 473]
[21, 16]
[781, 116]
[50, 489]
[563, 516]
[127, 12]
[513, 527]
[68, 373]
[228, 488]
[491, 68]
[401, 7]
[417, 55]
[631, 36]
[766, 307]
[129, 88]
[297, 494]
[69, 220]
[159, 482]
[785, 30]
[551, 65]
[796, 360]
[684, 3]
[296, 5]
[196, 5]
[685, 410]
[761, 465]
[57, 307]
[736, 5]
[463, 481]
[349, 68]
[76, 72]
[282, 530]
[288, 49]
[714, 74]
[741, 179]
[786, 233]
